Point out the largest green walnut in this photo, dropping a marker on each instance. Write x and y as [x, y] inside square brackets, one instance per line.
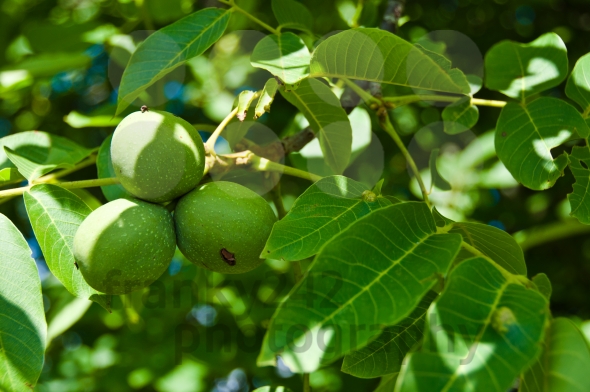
[124, 245]
[223, 226]
[157, 156]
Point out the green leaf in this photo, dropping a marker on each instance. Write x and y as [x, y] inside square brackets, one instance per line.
[579, 162]
[285, 56]
[387, 383]
[379, 56]
[22, 318]
[79, 120]
[494, 243]
[385, 354]
[328, 120]
[55, 214]
[320, 213]
[36, 153]
[460, 116]
[266, 98]
[437, 179]
[169, 48]
[9, 176]
[564, 363]
[105, 169]
[371, 275]
[66, 317]
[578, 83]
[480, 335]
[526, 134]
[48, 64]
[272, 389]
[244, 101]
[292, 15]
[543, 284]
[521, 70]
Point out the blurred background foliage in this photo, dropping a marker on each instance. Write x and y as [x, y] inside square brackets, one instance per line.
[60, 65]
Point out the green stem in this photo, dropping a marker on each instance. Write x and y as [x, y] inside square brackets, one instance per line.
[210, 145]
[254, 19]
[145, 15]
[65, 185]
[539, 235]
[368, 98]
[277, 199]
[388, 127]
[405, 99]
[306, 386]
[357, 13]
[263, 164]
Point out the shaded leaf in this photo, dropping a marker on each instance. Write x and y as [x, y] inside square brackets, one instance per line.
[436, 178]
[579, 162]
[266, 98]
[564, 363]
[481, 333]
[105, 169]
[526, 134]
[168, 49]
[373, 274]
[385, 354]
[55, 214]
[328, 120]
[22, 317]
[285, 56]
[460, 116]
[379, 56]
[543, 284]
[9, 176]
[292, 15]
[387, 383]
[578, 83]
[521, 70]
[321, 212]
[244, 101]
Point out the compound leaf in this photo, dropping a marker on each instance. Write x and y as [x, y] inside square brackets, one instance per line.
[371, 275]
[169, 48]
[521, 70]
[481, 333]
[328, 120]
[526, 134]
[321, 212]
[379, 56]
[23, 328]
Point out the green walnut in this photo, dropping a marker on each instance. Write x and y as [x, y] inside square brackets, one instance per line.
[124, 245]
[157, 156]
[223, 226]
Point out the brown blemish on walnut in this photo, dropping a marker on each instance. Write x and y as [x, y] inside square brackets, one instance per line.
[228, 257]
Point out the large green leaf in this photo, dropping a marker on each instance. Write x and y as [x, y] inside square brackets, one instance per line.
[379, 56]
[284, 56]
[168, 49]
[526, 134]
[579, 162]
[385, 354]
[521, 70]
[460, 116]
[328, 120]
[371, 275]
[482, 332]
[36, 153]
[22, 319]
[564, 364]
[105, 169]
[55, 214]
[321, 212]
[578, 84]
[292, 15]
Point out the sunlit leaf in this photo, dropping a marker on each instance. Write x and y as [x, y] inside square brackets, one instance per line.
[284, 56]
[272, 389]
[79, 120]
[266, 98]
[481, 333]
[55, 214]
[328, 120]
[578, 83]
[385, 354]
[579, 162]
[526, 134]
[321, 212]
[22, 319]
[9, 176]
[371, 275]
[564, 363]
[521, 70]
[460, 116]
[168, 49]
[292, 15]
[379, 56]
[244, 101]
